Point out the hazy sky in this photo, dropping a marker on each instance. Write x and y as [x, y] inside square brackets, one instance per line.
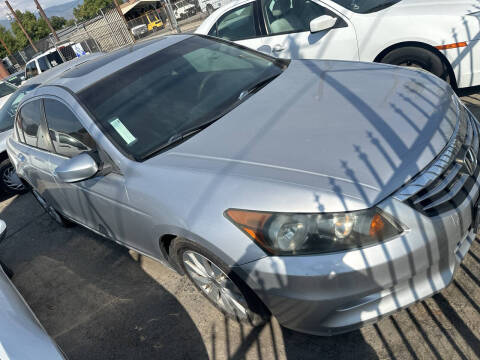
[27, 5]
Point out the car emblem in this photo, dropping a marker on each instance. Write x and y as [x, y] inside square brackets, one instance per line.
[470, 161]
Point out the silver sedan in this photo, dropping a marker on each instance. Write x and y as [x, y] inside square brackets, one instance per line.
[328, 194]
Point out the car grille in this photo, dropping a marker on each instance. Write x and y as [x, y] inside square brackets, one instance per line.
[448, 180]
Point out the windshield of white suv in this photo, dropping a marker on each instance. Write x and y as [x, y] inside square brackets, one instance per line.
[174, 93]
[9, 109]
[366, 6]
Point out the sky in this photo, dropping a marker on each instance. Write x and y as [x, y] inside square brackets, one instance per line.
[26, 5]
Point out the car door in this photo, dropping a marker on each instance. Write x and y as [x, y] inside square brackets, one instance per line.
[35, 146]
[100, 203]
[281, 28]
[288, 35]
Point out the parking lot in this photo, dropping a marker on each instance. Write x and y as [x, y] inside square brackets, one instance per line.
[100, 301]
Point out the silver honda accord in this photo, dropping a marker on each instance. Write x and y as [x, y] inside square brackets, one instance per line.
[328, 194]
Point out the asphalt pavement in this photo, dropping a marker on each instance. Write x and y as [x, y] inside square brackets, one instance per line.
[100, 301]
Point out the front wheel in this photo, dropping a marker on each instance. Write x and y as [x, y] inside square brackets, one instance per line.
[219, 285]
[10, 183]
[420, 58]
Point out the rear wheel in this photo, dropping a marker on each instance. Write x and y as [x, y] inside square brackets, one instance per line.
[10, 183]
[420, 58]
[218, 284]
[50, 210]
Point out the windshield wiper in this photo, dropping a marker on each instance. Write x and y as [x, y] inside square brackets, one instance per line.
[177, 138]
[257, 86]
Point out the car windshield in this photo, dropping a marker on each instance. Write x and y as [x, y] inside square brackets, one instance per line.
[6, 89]
[158, 100]
[9, 109]
[366, 6]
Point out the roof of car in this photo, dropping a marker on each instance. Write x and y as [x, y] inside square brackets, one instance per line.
[89, 72]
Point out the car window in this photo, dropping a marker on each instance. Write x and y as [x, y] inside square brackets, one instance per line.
[54, 59]
[43, 64]
[287, 16]
[69, 137]
[237, 24]
[31, 70]
[9, 109]
[31, 121]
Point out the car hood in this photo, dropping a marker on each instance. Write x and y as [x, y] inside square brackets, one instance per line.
[356, 129]
[434, 7]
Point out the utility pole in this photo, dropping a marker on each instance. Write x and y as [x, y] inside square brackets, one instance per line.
[171, 16]
[5, 46]
[21, 26]
[120, 12]
[44, 16]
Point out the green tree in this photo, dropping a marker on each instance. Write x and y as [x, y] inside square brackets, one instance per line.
[9, 40]
[70, 22]
[89, 8]
[36, 28]
[58, 22]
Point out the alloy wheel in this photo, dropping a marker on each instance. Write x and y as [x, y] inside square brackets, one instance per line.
[215, 284]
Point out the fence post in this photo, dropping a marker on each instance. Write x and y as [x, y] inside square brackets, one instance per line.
[171, 16]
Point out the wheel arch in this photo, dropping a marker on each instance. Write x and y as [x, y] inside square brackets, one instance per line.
[418, 44]
[3, 155]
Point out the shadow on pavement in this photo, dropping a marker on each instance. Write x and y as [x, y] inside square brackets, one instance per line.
[90, 295]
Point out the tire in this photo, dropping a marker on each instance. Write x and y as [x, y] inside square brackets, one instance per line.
[10, 183]
[420, 58]
[50, 210]
[210, 9]
[233, 289]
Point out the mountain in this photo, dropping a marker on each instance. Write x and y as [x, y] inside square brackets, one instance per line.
[64, 10]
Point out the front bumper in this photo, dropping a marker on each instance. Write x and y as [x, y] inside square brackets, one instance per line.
[336, 293]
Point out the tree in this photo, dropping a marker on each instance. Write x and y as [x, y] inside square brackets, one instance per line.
[70, 22]
[9, 39]
[36, 28]
[90, 8]
[58, 22]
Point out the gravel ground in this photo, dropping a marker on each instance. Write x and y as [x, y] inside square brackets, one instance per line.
[100, 301]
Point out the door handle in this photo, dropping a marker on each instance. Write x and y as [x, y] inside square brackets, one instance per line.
[278, 48]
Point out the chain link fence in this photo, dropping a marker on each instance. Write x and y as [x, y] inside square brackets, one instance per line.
[106, 32]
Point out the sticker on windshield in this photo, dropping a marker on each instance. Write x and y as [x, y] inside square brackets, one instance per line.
[123, 131]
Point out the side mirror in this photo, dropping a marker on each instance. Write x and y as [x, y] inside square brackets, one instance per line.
[78, 168]
[322, 23]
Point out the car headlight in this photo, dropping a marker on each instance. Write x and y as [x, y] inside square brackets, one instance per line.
[295, 234]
